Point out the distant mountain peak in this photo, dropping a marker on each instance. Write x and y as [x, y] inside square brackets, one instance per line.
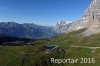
[62, 26]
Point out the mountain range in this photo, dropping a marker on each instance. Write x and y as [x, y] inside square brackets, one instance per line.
[26, 30]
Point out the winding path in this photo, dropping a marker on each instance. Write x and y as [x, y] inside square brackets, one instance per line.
[86, 47]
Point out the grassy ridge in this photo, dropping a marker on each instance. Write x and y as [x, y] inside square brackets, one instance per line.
[76, 38]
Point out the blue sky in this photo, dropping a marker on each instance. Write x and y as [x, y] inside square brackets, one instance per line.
[42, 12]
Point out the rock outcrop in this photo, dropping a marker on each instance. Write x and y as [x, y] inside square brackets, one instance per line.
[62, 26]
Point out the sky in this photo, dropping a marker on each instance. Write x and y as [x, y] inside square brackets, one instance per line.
[42, 12]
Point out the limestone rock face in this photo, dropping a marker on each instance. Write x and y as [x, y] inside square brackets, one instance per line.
[93, 17]
[90, 20]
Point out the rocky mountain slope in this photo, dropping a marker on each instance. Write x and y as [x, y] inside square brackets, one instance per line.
[90, 20]
[26, 30]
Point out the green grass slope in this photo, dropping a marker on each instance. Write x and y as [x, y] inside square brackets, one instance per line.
[35, 55]
[75, 38]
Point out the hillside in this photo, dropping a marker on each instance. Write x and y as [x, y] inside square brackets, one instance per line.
[73, 44]
[79, 46]
[77, 38]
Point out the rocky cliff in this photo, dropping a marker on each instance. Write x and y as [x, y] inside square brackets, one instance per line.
[90, 20]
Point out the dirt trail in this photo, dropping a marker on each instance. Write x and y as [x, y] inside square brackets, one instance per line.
[85, 47]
